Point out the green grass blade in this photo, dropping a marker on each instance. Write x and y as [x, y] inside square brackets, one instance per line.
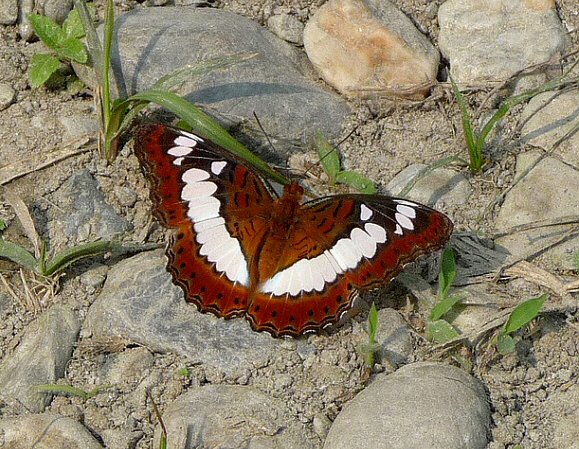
[17, 254]
[69, 256]
[474, 152]
[442, 307]
[523, 314]
[105, 90]
[92, 38]
[42, 66]
[446, 272]
[60, 389]
[372, 324]
[203, 125]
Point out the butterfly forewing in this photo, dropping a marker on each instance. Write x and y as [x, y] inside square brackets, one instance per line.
[218, 207]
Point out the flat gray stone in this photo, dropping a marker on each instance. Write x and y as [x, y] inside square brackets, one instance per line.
[224, 416]
[154, 42]
[393, 336]
[423, 405]
[40, 358]
[552, 117]
[8, 12]
[139, 302]
[45, 431]
[441, 186]
[547, 192]
[492, 40]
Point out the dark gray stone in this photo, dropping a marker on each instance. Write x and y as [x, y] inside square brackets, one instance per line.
[40, 358]
[83, 212]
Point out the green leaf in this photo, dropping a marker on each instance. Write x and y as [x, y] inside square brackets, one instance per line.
[72, 48]
[523, 314]
[504, 344]
[183, 372]
[40, 69]
[72, 26]
[17, 254]
[328, 157]
[47, 31]
[372, 324]
[356, 180]
[440, 331]
[442, 307]
[446, 272]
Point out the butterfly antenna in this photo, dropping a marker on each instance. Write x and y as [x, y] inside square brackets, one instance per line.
[263, 131]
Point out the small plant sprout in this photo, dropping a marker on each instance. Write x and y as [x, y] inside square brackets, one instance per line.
[439, 330]
[475, 142]
[330, 163]
[522, 315]
[183, 372]
[63, 40]
[369, 349]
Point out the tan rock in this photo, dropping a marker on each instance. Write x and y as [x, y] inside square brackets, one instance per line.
[360, 48]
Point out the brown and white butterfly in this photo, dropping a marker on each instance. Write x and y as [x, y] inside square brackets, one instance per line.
[289, 267]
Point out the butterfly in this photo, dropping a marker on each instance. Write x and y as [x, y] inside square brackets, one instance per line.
[239, 249]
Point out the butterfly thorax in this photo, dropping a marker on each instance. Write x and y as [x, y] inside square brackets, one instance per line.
[281, 225]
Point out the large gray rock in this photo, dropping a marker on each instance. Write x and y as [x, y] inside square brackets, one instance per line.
[547, 192]
[139, 302]
[45, 431]
[493, 39]
[423, 405]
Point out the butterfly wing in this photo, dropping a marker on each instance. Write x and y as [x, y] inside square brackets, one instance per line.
[218, 209]
[340, 245]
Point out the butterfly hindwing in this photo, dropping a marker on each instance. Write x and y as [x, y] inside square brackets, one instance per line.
[341, 245]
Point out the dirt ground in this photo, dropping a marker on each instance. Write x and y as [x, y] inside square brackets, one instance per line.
[30, 128]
